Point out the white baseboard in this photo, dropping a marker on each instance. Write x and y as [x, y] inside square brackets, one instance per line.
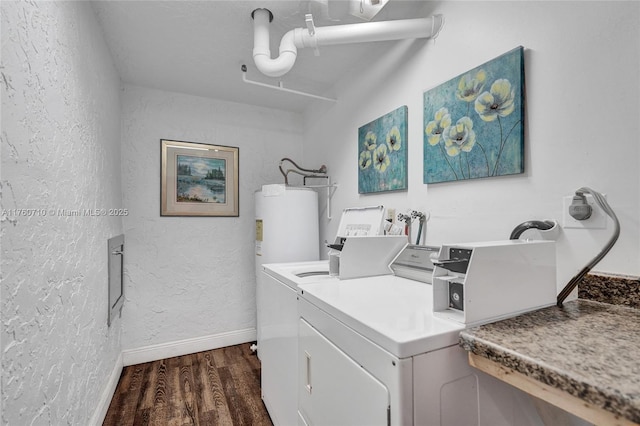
[105, 399]
[187, 346]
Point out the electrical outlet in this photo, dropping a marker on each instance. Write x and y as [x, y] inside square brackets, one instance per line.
[598, 219]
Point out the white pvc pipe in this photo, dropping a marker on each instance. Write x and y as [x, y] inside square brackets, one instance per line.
[261, 52]
[370, 32]
[331, 35]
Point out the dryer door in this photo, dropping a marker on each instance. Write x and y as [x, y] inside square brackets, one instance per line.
[332, 388]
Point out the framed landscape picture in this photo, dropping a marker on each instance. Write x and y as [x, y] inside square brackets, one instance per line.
[474, 123]
[198, 179]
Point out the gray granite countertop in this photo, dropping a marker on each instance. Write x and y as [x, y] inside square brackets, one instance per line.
[589, 349]
[608, 288]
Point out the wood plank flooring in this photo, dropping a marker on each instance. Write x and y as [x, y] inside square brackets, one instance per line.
[218, 387]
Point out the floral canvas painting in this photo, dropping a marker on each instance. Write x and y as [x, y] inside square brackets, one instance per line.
[474, 123]
[382, 153]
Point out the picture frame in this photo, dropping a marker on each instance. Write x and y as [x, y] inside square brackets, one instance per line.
[198, 179]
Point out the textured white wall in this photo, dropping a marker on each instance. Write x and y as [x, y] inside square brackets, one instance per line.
[189, 277]
[582, 122]
[60, 150]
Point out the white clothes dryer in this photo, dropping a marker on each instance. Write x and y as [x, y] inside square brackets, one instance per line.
[371, 352]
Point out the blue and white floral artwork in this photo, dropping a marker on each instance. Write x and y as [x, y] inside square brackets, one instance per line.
[474, 123]
[382, 153]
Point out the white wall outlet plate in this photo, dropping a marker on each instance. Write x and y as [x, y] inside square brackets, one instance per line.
[598, 219]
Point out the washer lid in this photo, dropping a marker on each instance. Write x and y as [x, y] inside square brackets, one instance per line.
[395, 313]
[295, 273]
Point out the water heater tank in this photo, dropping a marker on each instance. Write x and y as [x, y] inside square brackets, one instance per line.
[287, 227]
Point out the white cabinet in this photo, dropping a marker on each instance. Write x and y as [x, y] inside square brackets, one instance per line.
[332, 388]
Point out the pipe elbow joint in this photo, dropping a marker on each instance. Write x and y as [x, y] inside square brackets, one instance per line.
[288, 43]
[275, 67]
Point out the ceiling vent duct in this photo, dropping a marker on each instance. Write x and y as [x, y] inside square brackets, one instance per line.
[325, 36]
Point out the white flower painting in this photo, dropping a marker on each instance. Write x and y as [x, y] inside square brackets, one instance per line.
[382, 153]
[474, 123]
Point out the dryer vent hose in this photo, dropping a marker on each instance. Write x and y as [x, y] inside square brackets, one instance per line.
[531, 224]
[599, 198]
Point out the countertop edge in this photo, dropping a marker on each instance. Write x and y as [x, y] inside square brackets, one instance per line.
[606, 398]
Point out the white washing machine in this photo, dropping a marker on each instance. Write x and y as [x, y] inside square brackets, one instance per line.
[278, 315]
[278, 331]
[371, 352]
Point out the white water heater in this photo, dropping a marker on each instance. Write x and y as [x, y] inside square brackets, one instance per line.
[287, 230]
[287, 227]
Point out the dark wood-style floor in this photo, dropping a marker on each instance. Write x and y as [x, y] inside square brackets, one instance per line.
[218, 387]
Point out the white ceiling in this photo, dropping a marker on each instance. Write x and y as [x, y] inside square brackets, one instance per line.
[198, 47]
